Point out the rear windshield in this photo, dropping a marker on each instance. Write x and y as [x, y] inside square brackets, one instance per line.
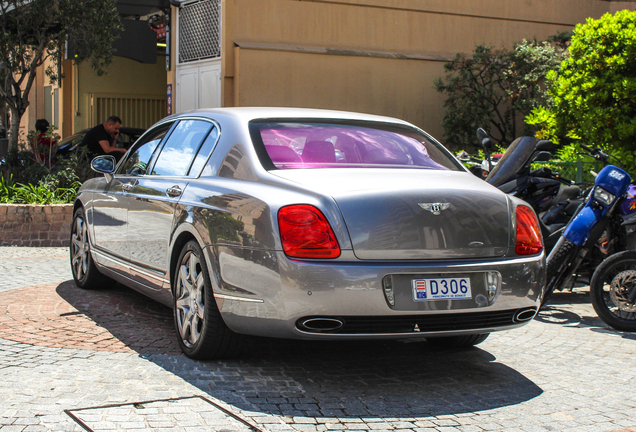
[285, 145]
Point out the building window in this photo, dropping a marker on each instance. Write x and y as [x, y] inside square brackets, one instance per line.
[200, 30]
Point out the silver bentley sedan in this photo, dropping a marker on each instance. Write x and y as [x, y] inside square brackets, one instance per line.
[307, 224]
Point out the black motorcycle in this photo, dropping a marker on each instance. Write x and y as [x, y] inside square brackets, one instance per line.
[553, 198]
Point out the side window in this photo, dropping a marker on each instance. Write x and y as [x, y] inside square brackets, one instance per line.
[204, 153]
[137, 161]
[178, 152]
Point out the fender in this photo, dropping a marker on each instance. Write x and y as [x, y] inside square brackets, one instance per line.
[579, 228]
[612, 179]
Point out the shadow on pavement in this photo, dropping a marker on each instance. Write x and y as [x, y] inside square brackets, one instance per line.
[315, 378]
[140, 324]
[574, 309]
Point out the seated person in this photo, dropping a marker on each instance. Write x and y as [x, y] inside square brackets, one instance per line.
[101, 139]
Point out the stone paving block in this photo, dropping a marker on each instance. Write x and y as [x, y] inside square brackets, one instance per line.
[18, 428]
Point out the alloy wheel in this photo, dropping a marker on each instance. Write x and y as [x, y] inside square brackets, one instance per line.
[190, 303]
[80, 249]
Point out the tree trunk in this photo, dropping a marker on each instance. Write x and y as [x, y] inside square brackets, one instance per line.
[14, 129]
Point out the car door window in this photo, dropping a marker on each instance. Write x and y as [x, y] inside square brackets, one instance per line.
[140, 156]
[179, 150]
[204, 153]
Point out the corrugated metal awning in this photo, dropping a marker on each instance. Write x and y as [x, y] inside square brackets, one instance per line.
[141, 7]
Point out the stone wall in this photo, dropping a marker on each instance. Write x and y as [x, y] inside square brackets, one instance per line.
[35, 225]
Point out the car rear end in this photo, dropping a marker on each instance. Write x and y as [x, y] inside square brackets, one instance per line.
[382, 234]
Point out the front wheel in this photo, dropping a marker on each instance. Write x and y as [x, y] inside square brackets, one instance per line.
[465, 341]
[613, 290]
[85, 273]
[201, 332]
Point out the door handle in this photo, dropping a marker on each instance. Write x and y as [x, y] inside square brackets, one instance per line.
[127, 187]
[174, 191]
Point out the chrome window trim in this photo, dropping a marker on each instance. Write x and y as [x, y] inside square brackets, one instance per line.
[178, 120]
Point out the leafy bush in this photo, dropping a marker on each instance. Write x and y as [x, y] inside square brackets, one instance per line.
[495, 88]
[7, 190]
[595, 88]
[28, 177]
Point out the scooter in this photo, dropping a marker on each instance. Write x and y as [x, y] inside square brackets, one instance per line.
[480, 168]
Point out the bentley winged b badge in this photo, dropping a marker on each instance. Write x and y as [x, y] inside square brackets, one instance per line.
[435, 208]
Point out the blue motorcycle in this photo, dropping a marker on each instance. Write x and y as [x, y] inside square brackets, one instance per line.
[605, 224]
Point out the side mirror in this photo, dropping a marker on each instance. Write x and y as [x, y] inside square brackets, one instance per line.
[105, 165]
[485, 142]
[481, 134]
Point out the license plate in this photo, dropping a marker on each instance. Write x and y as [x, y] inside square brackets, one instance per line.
[441, 289]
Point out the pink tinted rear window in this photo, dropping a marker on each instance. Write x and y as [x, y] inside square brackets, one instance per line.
[323, 145]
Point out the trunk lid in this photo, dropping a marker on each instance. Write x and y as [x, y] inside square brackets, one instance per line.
[413, 214]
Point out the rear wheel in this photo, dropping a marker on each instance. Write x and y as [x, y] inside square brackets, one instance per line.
[465, 341]
[85, 273]
[201, 332]
[613, 290]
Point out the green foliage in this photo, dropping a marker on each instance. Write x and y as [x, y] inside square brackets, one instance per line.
[571, 158]
[594, 92]
[41, 193]
[7, 190]
[494, 89]
[33, 31]
[27, 178]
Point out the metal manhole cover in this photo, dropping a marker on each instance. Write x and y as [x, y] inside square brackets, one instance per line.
[179, 414]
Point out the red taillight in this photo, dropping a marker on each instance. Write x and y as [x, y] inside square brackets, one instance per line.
[305, 233]
[529, 240]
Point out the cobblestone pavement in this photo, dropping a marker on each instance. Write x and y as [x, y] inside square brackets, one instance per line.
[108, 359]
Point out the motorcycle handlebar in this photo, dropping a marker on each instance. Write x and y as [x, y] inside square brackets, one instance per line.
[596, 153]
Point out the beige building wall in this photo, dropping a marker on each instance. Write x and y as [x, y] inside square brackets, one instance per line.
[373, 56]
[133, 91]
[126, 80]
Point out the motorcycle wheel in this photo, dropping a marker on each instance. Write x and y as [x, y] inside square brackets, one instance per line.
[613, 290]
[562, 254]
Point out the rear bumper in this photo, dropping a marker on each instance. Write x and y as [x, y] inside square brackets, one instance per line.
[266, 294]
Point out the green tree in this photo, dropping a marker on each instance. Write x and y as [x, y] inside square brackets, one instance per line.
[594, 91]
[33, 31]
[495, 88]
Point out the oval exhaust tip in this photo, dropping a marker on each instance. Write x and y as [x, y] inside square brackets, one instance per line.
[320, 325]
[525, 315]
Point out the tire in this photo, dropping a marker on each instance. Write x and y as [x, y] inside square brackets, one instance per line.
[465, 341]
[613, 281]
[201, 332]
[85, 273]
[558, 260]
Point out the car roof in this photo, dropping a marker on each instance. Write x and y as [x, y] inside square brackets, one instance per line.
[254, 113]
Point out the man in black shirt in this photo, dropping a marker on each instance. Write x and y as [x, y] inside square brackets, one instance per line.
[101, 139]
